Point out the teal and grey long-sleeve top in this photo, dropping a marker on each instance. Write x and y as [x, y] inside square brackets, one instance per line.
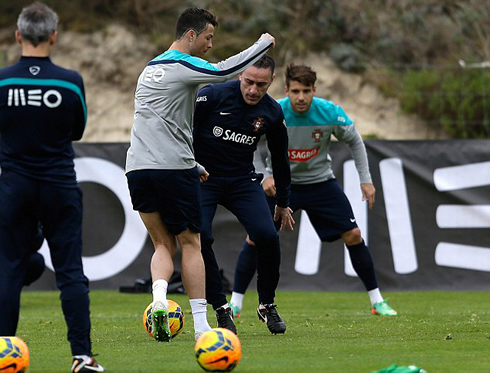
[165, 98]
[309, 142]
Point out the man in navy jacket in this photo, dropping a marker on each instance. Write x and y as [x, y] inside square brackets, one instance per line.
[42, 110]
[229, 120]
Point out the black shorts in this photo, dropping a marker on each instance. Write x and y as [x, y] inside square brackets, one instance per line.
[175, 194]
[327, 206]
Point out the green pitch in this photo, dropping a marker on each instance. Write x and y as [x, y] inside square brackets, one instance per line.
[327, 332]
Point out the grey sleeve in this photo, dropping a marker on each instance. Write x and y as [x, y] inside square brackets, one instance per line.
[232, 66]
[353, 139]
[268, 165]
[260, 161]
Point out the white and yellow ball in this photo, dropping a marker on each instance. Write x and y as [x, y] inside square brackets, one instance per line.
[218, 350]
[176, 318]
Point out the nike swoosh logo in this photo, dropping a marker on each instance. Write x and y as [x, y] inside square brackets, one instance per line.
[263, 316]
[353, 220]
[223, 113]
[254, 179]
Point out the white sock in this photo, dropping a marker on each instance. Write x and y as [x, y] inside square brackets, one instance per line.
[159, 289]
[199, 309]
[82, 357]
[237, 299]
[375, 296]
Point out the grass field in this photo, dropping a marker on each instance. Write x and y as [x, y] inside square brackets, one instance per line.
[327, 332]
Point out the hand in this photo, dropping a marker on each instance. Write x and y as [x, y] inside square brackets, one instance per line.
[203, 176]
[267, 35]
[368, 193]
[286, 218]
[269, 186]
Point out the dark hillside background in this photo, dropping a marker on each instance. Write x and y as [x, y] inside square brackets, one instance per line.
[355, 32]
[411, 49]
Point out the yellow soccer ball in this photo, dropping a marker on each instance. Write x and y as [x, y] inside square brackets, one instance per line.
[14, 355]
[218, 350]
[176, 318]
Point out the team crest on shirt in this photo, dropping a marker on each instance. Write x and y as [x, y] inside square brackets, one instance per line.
[258, 123]
[34, 70]
[217, 131]
[317, 135]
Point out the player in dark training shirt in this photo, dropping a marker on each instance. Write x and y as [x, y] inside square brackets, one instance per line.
[229, 120]
[42, 110]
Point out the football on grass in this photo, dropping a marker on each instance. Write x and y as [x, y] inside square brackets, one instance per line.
[176, 318]
[14, 355]
[218, 350]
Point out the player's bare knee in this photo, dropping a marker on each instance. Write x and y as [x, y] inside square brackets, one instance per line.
[161, 247]
[189, 239]
[352, 237]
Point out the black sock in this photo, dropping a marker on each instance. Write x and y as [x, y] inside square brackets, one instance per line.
[363, 264]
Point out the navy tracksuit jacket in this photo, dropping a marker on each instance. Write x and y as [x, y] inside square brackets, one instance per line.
[42, 110]
[226, 133]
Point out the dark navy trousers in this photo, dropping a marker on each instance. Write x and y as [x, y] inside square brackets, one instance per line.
[244, 197]
[24, 202]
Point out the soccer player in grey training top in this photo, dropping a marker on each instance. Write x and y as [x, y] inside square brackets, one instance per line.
[311, 121]
[163, 176]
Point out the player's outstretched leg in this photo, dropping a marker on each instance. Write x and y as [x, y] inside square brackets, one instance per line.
[364, 267]
[268, 313]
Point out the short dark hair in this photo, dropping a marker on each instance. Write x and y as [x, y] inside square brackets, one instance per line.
[36, 23]
[300, 73]
[194, 19]
[265, 62]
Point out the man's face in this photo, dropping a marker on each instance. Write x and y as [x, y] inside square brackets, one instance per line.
[300, 96]
[254, 83]
[203, 42]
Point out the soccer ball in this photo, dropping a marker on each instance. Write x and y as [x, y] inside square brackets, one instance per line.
[14, 355]
[176, 318]
[218, 350]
